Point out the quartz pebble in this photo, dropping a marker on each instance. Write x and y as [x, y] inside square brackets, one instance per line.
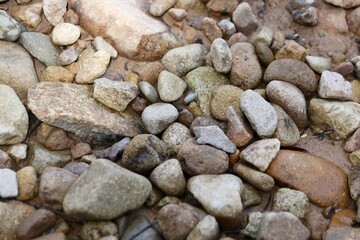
[65, 34]
[333, 85]
[8, 183]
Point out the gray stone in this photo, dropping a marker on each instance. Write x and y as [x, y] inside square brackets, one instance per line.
[158, 116]
[227, 27]
[333, 85]
[170, 87]
[100, 43]
[139, 228]
[10, 29]
[250, 196]
[159, 7]
[295, 202]
[214, 136]
[286, 131]
[263, 35]
[354, 182]
[252, 227]
[149, 91]
[54, 10]
[239, 130]
[41, 47]
[206, 229]
[14, 119]
[318, 64]
[356, 62]
[261, 115]
[174, 136]
[190, 97]
[345, 232]
[114, 152]
[221, 55]
[95, 196]
[76, 167]
[95, 230]
[8, 183]
[244, 19]
[68, 56]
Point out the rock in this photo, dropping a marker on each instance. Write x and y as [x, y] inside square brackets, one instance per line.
[244, 19]
[68, 56]
[54, 10]
[211, 29]
[357, 219]
[355, 85]
[250, 196]
[286, 131]
[71, 17]
[246, 70]
[260, 180]
[6, 161]
[318, 64]
[170, 86]
[144, 153]
[149, 71]
[185, 4]
[294, 72]
[342, 218]
[158, 116]
[219, 195]
[15, 63]
[58, 140]
[18, 152]
[325, 115]
[206, 229]
[202, 159]
[333, 85]
[352, 21]
[149, 91]
[52, 236]
[290, 99]
[264, 35]
[221, 55]
[221, 98]
[41, 47]
[169, 178]
[174, 136]
[291, 50]
[344, 3]
[13, 117]
[281, 226]
[295, 202]
[74, 109]
[35, 224]
[159, 7]
[356, 62]
[186, 117]
[65, 34]
[9, 184]
[167, 200]
[316, 223]
[29, 14]
[177, 13]
[264, 54]
[307, 16]
[10, 29]
[354, 182]
[220, 6]
[278, 41]
[100, 43]
[227, 27]
[115, 151]
[350, 233]
[252, 227]
[297, 4]
[76, 167]
[140, 227]
[323, 182]
[354, 158]
[238, 131]
[353, 143]
[182, 60]
[80, 149]
[344, 68]
[96, 229]
[27, 183]
[261, 153]
[206, 121]
[203, 81]
[12, 213]
[56, 74]
[124, 191]
[237, 37]
[261, 115]
[214, 136]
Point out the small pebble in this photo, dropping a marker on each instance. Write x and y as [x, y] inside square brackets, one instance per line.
[54, 10]
[222, 97]
[177, 13]
[252, 227]
[286, 131]
[227, 27]
[65, 34]
[221, 55]
[159, 7]
[289, 200]
[353, 143]
[211, 29]
[264, 54]
[318, 64]
[238, 129]
[250, 196]
[100, 43]
[170, 87]
[18, 152]
[68, 56]
[158, 116]
[8, 183]
[307, 16]
[10, 29]
[292, 50]
[354, 182]
[333, 85]
[174, 136]
[149, 91]
[344, 68]
[190, 96]
[80, 149]
[244, 19]
[237, 37]
[27, 183]
[263, 35]
[207, 228]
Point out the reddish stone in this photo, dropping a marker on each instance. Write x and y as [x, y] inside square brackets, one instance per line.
[343, 218]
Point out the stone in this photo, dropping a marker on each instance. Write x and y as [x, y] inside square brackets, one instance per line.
[350, 233]
[29, 14]
[68, 56]
[264, 54]
[73, 109]
[239, 131]
[170, 87]
[58, 140]
[307, 16]
[211, 28]
[169, 178]
[352, 21]
[54, 10]
[227, 27]
[355, 85]
[80, 149]
[318, 64]
[149, 91]
[353, 143]
[52, 236]
[149, 71]
[15, 63]
[93, 67]
[221, 55]
[203, 81]
[294, 72]
[124, 191]
[100, 43]
[354, 158]
[174, 136]
[286, 131]
[205, 229]
[140, 227]
[334, 86]
[316, 223]
[144, 153]
[281, 226]
[263, 35]
[96, 229]
[324, 183]
[35, 224]
[202, 159]
[244, 19]
[250, 196]
[221, 6]
[177, 13]
[167, 200]
[8, 184]
[115, 151]
[236, 38]
[341, 118]
[291, 50]
[260, 180]
[344, 68]
[295, 202]
[76, 167]
[41, 47]
[27, 183]
[158, 116]
[344, 3]
[10, 29]
[114, 94]
[204, 121]
[13, 117]
[354, 182]
[56, 74]
[246, 71]
[290, 99]
[261, 153]
[342, 218]
[357, 219]
[18, 152]
[6, 161]
[65, 34]
[222, 97]
[252, 227]
[71, 17]
[261, 115]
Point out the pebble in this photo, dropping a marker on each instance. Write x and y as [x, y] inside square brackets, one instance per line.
[140, 227]
[246, 71]
[100, 43]
[354, 158]
[264, 35]
[357, 219]
[68, 56]
[344, 68]
[324, 116]
[316, 223]
[295, 202]
[76, 167]
[206, 121]
[244, 19]
[159, 7]
[264, 54]
[202, 159]
[71, 17]
[356, 62]
[342, 218]
[6, 161]
[158, 116]
[352, 21]
[186, 118]
[10, 29]
[18, 152]
[29, 14]
[238, 130]
[114, 94]
[35, 224]
[144, 153]
[252, 227]
[260, 180]
[307, 16]
[124, 191]
[58, 140]
[80, 149]
[65, 34]
[170, 87]
[261, 153]
[227, 27]
[294, 72]
[54, 10]
[344, 3]
[318, 64]
[350, 233]
[223, 7]
[205, 229]
[190, 96]
[27, 183]
[182, 60]
[94, 230]
[291, 50]
[261, 115]
[221, 55]
[281, 226]
[250, 196]
[167, 200]
[211, 28]
[13, 117]
[214, 136]
[278, 41]
[174, 136]
[290, 99]
[286, 131]
[315, 176]
[356, 90]
[54, 184]
[354, 182]
[8, 184]
[149, 91]
[177, 13]
[56, 74]
[333, 85]
[353, 143]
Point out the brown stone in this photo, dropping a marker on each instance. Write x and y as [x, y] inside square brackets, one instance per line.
[53, 236]
[80, 149]
[58, 140]
[353, 143]
[343, 218]
[149, 72]
[27, 183]
[56, 74]
[211, 29]
[323, 182]
[238, 130]
[223, 97]
[185, 117]
[6, 161]
[222, 6]
[316, 223]
[292, 50]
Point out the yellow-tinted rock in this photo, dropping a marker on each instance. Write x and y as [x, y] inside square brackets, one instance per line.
[27, 183]
[56, 74]
[343, 218]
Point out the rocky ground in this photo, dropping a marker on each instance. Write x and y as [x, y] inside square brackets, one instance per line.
[179, 119]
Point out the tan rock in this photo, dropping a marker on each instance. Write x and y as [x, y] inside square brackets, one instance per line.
[54, 10]
[56, 74]
[223, 97]
[29, 15]
[292, 50]
[344, 3]
[27, 183]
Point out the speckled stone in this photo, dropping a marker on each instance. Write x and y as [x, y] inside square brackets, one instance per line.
[295, 202]
[334, 86]
[222, 97]
[158, 116]
[170, 87]
[221, 55]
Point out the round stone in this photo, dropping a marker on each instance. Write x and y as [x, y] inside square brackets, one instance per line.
[221, 55]
[158, 116]
[65, 34]
[149, 91]
[170, 87]
[174, 136]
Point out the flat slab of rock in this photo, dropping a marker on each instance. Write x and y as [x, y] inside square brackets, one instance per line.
[99, 196]
[71, 107]
[323, 182]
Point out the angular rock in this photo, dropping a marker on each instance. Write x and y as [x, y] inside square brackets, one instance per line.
[354, 182]
[159, 7]
[174, 136]
[295, 202]
[250, 196]
[29, 14]
[100, 43]
[342, 218]
[95, 229]
[318, 64]
[344, 3]
[76, 167]
[307, 16]
[68, 56]
[65, 34]
[170, 87]
[27, 183]
[206, 229]
[8, 184]
[211, 28]
[58, 140]
[333, 85]
[140, 227]
[353, 143]
[158, 116]
[239, 130]
[264, 35]
[252, 227]
[80, 149]
[10, 29]
[244, 19]
[291, 50]
[286, 131]
[56, 74]
[221, 55]
[221, 98]
[54, 10]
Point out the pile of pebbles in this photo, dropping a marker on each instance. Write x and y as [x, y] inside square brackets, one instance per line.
[195, 137]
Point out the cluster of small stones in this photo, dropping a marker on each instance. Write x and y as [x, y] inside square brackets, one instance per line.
[197, 143]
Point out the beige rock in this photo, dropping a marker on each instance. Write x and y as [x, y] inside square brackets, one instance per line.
[223, 97]
[101, 44]
[17, 152]
[352, 20]
[292, 50]
[65, 34]
[354, 158]
[29, 15]
[56, 74]
[344, 3]
[54, 10]
[27, 183]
